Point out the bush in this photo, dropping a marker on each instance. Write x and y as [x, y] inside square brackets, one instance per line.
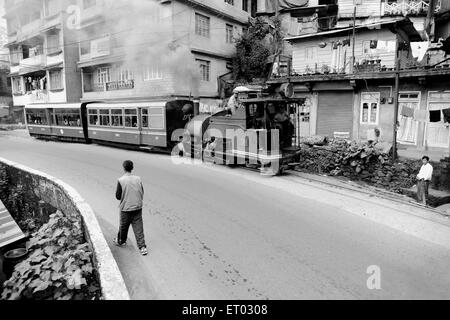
[59, 265]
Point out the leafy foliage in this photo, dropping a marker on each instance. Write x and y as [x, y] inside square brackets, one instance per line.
[59, 265]
[253, 48]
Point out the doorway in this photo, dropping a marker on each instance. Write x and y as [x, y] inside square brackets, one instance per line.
[408, 104]
[438, 132]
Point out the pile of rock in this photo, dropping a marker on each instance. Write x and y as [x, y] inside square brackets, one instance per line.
[370, 163]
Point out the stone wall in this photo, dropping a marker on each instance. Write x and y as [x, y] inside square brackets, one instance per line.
[56, 193]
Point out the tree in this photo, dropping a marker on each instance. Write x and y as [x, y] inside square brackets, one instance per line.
[255, 46]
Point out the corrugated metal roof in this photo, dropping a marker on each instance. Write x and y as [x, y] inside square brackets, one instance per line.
[333, 31]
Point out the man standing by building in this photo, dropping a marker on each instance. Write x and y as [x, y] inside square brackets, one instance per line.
[423, 180]
[130, 192]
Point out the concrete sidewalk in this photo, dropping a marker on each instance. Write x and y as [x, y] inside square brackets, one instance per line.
[345, 184]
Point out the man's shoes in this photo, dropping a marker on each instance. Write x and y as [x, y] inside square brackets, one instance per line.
[144, 251]
[116, 242]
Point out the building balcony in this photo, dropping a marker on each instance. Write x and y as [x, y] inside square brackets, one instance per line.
[34, 96]
[110, 86]
[234, 12]
[409, 7]
[50, 22]
[14, 69]
[38, 61]
[120, 85]
[54, 60]
[29, 30]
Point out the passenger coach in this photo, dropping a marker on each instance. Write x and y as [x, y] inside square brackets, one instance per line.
[144, 124]
[57, 121]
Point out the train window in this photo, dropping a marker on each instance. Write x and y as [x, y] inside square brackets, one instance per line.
[68, 117]
[104, 117]
[93, 117]
[130, 117]
[156, 118]
[37, 116]
[117, 117]
[145, 118]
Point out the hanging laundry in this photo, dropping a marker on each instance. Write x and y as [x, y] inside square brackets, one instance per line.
[446, 113]
[373, 44]
[419, 49]
[407, 112]
[420, 115]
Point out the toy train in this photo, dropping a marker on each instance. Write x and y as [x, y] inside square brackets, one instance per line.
[257, 134]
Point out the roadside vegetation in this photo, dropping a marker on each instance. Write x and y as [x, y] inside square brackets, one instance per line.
[58, 266]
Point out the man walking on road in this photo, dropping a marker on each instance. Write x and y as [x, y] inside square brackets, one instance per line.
[423, 180]
[130, 192]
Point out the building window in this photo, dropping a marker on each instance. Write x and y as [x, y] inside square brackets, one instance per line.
[229, 33]
[16, 85]
[230, 2]
[370, 105]
[202, 25]
[103, 75]
[245, 5]
[152, 73]
[124, 74]
[310, 53]
[51, 7]
[56, 80]
[89, 3]
[131, 118]
[53, 43]
[204, 69]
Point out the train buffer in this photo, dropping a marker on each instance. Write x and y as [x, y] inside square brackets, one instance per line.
[9, 230]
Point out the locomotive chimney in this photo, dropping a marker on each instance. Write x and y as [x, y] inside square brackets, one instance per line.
[196, 106]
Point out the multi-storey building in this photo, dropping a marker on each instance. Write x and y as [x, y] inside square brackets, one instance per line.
[344, 77]
[72, 51]
[139, 51]
[43, 52]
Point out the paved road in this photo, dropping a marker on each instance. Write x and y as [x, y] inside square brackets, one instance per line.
[221, 233]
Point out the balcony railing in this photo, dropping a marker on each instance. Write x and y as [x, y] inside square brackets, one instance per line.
[409, 7]
[110, 86]
[119, 85]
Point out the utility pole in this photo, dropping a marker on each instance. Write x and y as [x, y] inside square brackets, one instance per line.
[429, 22]
[396, 94]
[353, 40]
